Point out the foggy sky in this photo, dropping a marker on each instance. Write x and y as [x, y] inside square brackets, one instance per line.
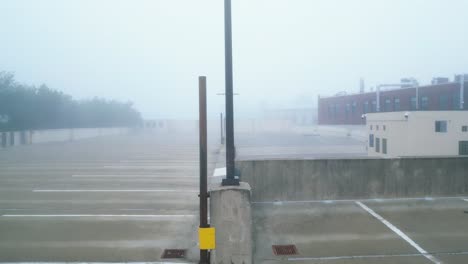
[286, 52]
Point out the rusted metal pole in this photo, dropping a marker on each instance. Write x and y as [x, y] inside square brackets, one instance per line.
[204, 254]
[230, 152]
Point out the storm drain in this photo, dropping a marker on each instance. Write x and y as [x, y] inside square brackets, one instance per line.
[284, 250]
[173, 253]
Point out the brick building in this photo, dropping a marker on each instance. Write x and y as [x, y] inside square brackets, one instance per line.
[348, 109]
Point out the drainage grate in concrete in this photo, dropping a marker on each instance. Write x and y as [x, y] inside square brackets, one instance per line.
[284, 250]
[173, 253]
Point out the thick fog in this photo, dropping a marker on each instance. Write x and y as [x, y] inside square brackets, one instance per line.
[286, 52]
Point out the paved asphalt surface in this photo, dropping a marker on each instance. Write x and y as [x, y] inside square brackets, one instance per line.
[107, 199]
[127, 198]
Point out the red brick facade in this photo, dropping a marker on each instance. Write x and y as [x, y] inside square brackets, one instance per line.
[348, 109]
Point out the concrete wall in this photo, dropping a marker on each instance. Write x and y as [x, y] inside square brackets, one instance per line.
[58, 135]
[297, 180]
[415, 135]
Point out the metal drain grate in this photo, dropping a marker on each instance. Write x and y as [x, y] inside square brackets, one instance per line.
[173, 253]
[284, 250]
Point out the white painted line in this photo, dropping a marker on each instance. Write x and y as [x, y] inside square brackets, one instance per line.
[95, 215]
[371, 256]
[148, 190]
[148, 262]
[163, 176]
[399, 232]
[218, 172]
[379, 200]
[466, 200]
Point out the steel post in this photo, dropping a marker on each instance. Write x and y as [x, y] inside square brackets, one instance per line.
[230, 152]
[204, 254]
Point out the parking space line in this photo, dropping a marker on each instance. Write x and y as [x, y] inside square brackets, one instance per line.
[148, 190]
[372, 256]
[154, 176]
[399, 232]
[96, 215]
[365, 200]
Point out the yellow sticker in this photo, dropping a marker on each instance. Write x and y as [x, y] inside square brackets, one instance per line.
[206, 238]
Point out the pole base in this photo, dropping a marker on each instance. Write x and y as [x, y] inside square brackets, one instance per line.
[230, 182]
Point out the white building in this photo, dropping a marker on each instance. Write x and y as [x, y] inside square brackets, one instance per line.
[419, 133]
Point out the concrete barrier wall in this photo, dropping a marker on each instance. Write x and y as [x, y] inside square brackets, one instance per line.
[56, 135]
[298, 180]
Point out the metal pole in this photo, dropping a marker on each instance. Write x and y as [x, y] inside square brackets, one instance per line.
[221, 125]
[204, 254]
[230, 152]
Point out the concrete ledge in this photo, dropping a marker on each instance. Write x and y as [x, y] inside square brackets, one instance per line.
[334, 179]
[230, 214]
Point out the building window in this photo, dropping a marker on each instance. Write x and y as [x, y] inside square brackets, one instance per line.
[366, 107]
[441, 126]
[377, 127]
[413, 103]
[374, 107]
[347, 109]
[424, 103]
[384, 145]
[396, 104]
[463, 147]
[353, 107]
[456, 101]
[371, 140]
[388, 105]
[464, 128]
[336, 109]
[443, 102]
[370, 127]
[377, 144]
[384, 127]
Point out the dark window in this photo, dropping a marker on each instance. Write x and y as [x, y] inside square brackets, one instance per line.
[388, 105]
[413, 103]
[377, 144]
[337, 109]
[366, 107]
[330, 111]
[353, 107]
[424, 103]
[371, 140]
[463, 147]
[441, 126]
[384, 145]
[443, 102]
[396, 104]
[464, 128]
[374, 107]
[456, 101]
[384, 127]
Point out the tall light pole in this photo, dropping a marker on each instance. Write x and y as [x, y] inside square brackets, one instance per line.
[230, 152]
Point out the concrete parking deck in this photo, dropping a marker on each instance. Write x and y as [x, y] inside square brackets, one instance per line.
[426, 230]
[127, 198]
[120, 198]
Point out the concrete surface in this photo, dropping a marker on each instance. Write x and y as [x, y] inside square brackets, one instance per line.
[342, 232]
[358, 178]
[231, 215]
[107, 199]
[297, 146]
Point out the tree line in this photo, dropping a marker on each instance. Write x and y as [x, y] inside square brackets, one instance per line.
[26, 107]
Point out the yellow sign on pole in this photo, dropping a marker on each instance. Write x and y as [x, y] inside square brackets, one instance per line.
[206, 238]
